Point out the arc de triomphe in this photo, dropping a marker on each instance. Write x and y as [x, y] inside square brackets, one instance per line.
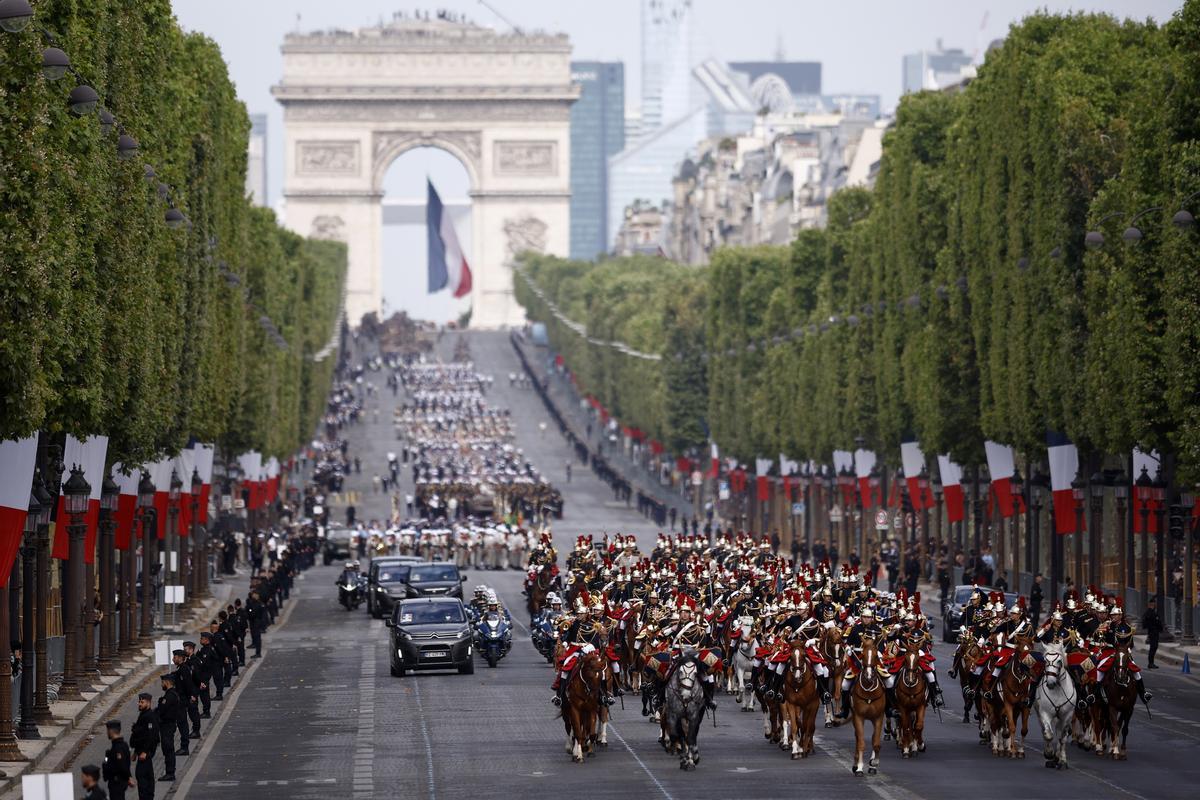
[354, 101]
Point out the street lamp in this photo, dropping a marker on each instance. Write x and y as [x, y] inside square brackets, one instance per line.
[27, 728]
[1120, 486]
[49, 472]
[1039, 484]
[55, 63]
[107, 120]
[1096, 491]
[110, 495]
[1133, 234]
[15, 15]
[1079, 494]
[1143, 492]
[77, 493]
[146, 490]
[127, 147]
[1160, 559]
[199, 577]
[1183, 219]
[173, 218]
[83, 100]
[1017, 486]
[1187, 499]
[1094, 240]
[923, 492]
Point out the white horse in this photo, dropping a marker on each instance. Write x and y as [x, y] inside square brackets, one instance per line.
[743, 666]
[1056, 705]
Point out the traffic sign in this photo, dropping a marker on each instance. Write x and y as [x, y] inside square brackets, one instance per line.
[881, 520]
[897, 521]
[835, 514]
[697, 477]
[797, 509]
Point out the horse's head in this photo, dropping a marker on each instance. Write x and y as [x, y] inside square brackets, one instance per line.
[1055, 659]
[593, 668]
[1120, 667]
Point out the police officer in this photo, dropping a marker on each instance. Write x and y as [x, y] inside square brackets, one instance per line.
[256, 615]
[188, 691]
[90, 780]
[199, 685]
[202, 674]
[116, 764]
[170, 712]
[144, 740]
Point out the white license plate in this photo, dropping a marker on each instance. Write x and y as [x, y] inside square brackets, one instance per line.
[436, 654]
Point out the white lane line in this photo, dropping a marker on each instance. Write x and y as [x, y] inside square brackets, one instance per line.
[428, 744]
[613, 730]
[364, 738]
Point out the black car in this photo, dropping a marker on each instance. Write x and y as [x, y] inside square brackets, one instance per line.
[337, 544]
[431, 633]
[435, 579]
[387, 582]
[952, 609]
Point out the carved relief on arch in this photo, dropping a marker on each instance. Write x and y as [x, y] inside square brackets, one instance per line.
[525, 233]
[388, 145]
[329, 227]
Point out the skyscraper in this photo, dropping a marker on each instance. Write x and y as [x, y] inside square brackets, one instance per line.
[256, 166]
[597, 132]
[666, 62]
[935, 69]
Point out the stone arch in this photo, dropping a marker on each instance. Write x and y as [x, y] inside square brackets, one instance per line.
[388, 146]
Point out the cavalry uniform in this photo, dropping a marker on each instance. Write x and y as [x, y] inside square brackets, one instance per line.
[1115, 636]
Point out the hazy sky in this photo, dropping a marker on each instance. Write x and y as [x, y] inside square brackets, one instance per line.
[858, 42]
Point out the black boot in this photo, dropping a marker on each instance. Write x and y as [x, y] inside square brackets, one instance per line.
[845, 712]
[560, 694]
[823, 686]
[890, 709]
[709, 688]
[935, 696]
[1143, 694]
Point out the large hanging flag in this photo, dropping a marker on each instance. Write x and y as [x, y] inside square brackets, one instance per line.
[125, 533]
[951, 474]
[447, 262]
[715, 469]
[1064, 464]
[204, 466]
[183, 465]
[914, 461]
[864, 462]
[88, 454]
[1002, 466]
[17, 460]
[761, 467]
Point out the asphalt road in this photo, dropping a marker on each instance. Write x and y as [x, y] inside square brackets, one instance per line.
[321, 717]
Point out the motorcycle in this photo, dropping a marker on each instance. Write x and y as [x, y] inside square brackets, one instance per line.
[542, 633]
[494, 637]
[350, 593]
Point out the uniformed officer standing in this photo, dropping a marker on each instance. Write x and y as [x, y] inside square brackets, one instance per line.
[256, 615]
[144, 740]
[170, 712]
[186, 687]
[116, 762]
[202, 674]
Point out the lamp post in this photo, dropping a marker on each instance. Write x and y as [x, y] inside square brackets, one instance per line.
[806, 484]
[146, 491]
[110, 495]
[1018, 491]
[77, 492]
[1120, 486]
[9, 749]
[51, 481]
[1143, 492]
[1095, 535]
[1038, 485]
[39, 509]
[845, 480]
[1160, 556]
[174, 548]
[1079, 494]
[923, 492]
[935, 484]
[195, 567]
[1187, 499]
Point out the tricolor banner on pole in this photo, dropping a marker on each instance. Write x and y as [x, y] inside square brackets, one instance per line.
[124, 534]
[204, 466]
[913, 461]
[761, 467]
[1064, 465]
[1002, 466]
[17, 460]
[951, 475]
[864, 462]
[447, 263]
[715, 469]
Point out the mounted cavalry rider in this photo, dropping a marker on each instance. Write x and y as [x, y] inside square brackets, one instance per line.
[584, 635]
[801, 627]
[914, 627]
[1114, 634]
[865, 628]
[1002, 649]
[684, 635]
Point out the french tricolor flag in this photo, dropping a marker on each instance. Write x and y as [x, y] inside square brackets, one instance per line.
[126, 533]
[864, 462]
[204, 466]
[914, 461]
[1064, 464]
[447, 263]
[951, 474]
[715, 469]
[1001, 465]
[17, 460]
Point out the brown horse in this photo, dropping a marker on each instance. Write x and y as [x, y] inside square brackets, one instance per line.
[1010, 700]
[536, 596]
[799, 704]
[1120, 695]
[912, 695]
[630, 678]
[868, 703]
[968, 659]
[831, 647]
[582, 711]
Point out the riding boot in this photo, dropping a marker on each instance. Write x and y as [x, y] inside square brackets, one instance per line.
[845, 712]
[709, 688]
[1143, 694]
[935, 697]
[823, 685]
[560, 694]
[972, 687]
[890, 708]
[775, 686]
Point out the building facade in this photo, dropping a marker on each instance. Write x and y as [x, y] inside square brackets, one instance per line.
[597, 133]
[666, 62]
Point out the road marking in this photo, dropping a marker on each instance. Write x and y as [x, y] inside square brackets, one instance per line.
[613, 730]
[425, 736]
[364, 737]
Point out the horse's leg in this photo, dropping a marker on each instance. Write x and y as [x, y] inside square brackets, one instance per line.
[857, 769]
[1050, 746]
[920, 730]
[602, 739]
[1024, 711]
[873, 764]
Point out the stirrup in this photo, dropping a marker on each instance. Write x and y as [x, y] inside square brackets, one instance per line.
[556, 701]
[953, 673]
[826, 698]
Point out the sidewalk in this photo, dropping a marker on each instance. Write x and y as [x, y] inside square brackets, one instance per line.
[566, 402]
[74, 720]
[1169, 655]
